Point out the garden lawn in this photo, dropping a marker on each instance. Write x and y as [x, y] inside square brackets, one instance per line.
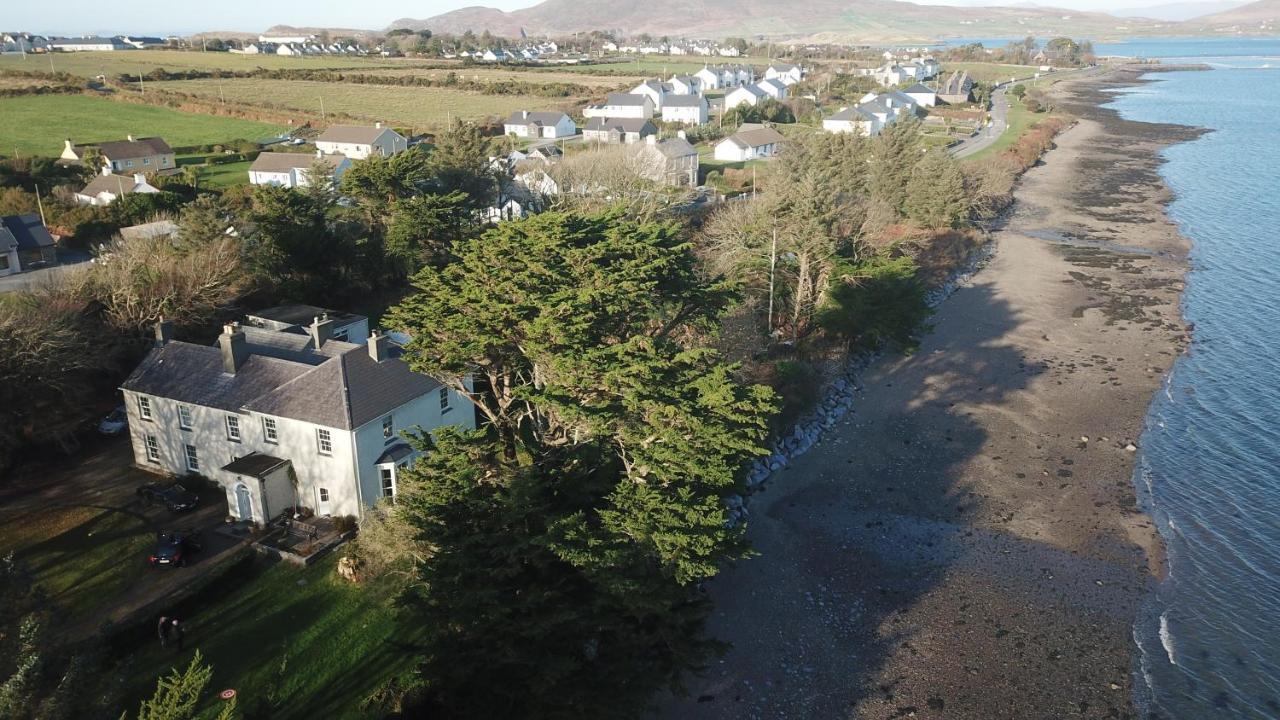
[219, 175]
[339, 642]
[38, 124]
[419, 107]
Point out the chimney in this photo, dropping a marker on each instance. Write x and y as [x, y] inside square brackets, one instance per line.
[69, 146]
[164, 332]
[651, 139]
[379, 346]
[234, 348]
[130, 138]
[378, 125]
[319, 153]
[680, 134]
[321, 330]
[139, 178]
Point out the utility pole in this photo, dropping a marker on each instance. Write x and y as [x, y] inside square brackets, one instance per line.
[322, 113]
[141, 87]
[40, 205]
[773, 263]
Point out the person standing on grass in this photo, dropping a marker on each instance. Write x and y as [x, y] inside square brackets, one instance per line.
[162, 629]
[177, 633]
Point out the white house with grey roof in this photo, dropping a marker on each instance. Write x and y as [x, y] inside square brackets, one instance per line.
[280, 414]
[744, 95]
[852, 120]
[294, 170]
[784, 73]
[685, 109]
[539, 124]
[618, 130]
[622, 105]
[753, 141]
[361, 141]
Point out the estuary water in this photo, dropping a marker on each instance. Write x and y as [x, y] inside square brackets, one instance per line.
[1209, 465]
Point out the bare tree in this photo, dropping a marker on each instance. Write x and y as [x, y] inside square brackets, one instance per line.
[627, 176]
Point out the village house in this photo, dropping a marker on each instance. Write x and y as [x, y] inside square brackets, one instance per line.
[24, 241]
[282, 418]
[672, 161]
[744, 95]
[539, 124]
[293, 170]
[108, 187]
[922, 95]
[618, 130]
[922, 68]
[361, 141]
[88, 44]
[684, 85]
[752, 141]
[685, 109]
[709, 79]
[773, 88]
[786, 74]
[957, 89]
[890, 75]
[655, 90]
[852, 120]
[145, 155]
[881, 111]
[622, 105]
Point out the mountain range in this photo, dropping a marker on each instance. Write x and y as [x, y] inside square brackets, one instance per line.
[820, 20]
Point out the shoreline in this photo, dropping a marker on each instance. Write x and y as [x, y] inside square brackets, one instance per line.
[967, 541]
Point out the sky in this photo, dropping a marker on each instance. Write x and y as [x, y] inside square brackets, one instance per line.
[178, 17]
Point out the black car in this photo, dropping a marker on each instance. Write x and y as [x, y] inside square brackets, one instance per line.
[173, 548]
[175, 497]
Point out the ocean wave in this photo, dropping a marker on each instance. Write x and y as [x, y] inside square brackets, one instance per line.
[1166, 637]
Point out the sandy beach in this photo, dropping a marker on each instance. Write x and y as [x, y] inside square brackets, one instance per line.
[967, 543]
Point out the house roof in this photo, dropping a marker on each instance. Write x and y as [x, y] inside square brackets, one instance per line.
[131, 149]
[684, 101]
[755, 135]
[675, 148]
[851, 114]
[772, 83]
[875, 106]
[525, 117]
[24, 232]
[356, 134]
[918, 89]
[284, 162]
[754, 90]
[303, 314]
[959, 83]
[626, 99]
[154, 229]
[114, 184]
[630, 125]
[337, 386]
[782, 67]
[255, 464]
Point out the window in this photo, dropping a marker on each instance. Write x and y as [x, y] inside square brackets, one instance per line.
[233, 428]
[388, 427]
[388, 475]
[444, 399]
[324, 494]
[153, 449]
[325, 441]
[341, 335]
[184, 417]
[269, 430]
[128, 163]
[193, 460]
[144, 407]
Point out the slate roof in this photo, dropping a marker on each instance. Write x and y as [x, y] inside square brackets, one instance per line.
[355, 134]
[629, 125]
[338, 386]
[675, 148]
[526, 117]
[114, 184]
[919, 88]
[852, 114]
[278, 162]
[255, 464]
[23, 232]
[684, 101]
[133, 149]
[303, 314]
[755, 135]
[773, 83]
[626, 99]
[751, 89]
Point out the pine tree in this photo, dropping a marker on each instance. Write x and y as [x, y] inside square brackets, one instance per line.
[936, 193]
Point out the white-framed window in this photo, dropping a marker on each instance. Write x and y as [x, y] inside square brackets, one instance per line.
[193, 458]
[233, 428]
[444, 399]
[184, 417]
[387, 475]
[146, 161]
[153, 449]
[269, 431]
[144, 407]
[388, 427]
[324, 494]
[324, 441]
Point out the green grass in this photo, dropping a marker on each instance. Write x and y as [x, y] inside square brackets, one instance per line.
[418, 107]
[989, 72]
[341, 642]
[37, 125]
[90, 64]
[651, 67]
[220, 175]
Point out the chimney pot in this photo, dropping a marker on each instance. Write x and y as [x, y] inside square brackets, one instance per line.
[321, 330]
[234, 348]
[164, 332]
[379, 346]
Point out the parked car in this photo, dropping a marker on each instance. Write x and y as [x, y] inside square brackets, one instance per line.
[175, 497]
[175, 547]
[115, 423]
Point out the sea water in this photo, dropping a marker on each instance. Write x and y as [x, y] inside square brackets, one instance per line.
[1209, 464]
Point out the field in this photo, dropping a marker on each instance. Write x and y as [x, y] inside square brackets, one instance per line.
[653, 67]
[417, 107]
[498, 74]
[989, 72]
[90, 64]
[37, 124]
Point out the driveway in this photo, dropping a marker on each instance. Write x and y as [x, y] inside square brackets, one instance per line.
[32, 279]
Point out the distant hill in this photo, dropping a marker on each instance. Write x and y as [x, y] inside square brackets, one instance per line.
[1262, 15]
[832, 20]
[1179, 11]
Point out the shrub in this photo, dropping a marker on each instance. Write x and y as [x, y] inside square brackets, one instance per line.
[874, 302]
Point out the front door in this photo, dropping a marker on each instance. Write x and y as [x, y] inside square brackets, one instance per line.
[244, 504]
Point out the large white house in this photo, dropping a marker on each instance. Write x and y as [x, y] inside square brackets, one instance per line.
[752, 141]
[144, 154]
[293, 170]
[622, 105]
[108, 187]
[614, 131]
[709, 78]
[537, 124]
[784, 73]
[685, 109]
[773, 88]
[744, 95]
[282, 418]
[672, 161]
[361, 141]
[922, 95]
[852, 120]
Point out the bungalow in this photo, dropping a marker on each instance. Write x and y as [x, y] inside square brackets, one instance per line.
[752, 141]
[107, 187]
[148, 154]
[685, 85]
[618, 130]
[685, 109]
[361, 141]
[88, 44]
[24, 241]
[890, 75]
[622, 105]
[773, 88]
[709, 79]
[923, 95]
[539, 124]
[672, 161]
[852, 119]
[956, 89]
[744, 95]
[284, 418]
[784, 73]
[655, 90]
[293, 170]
